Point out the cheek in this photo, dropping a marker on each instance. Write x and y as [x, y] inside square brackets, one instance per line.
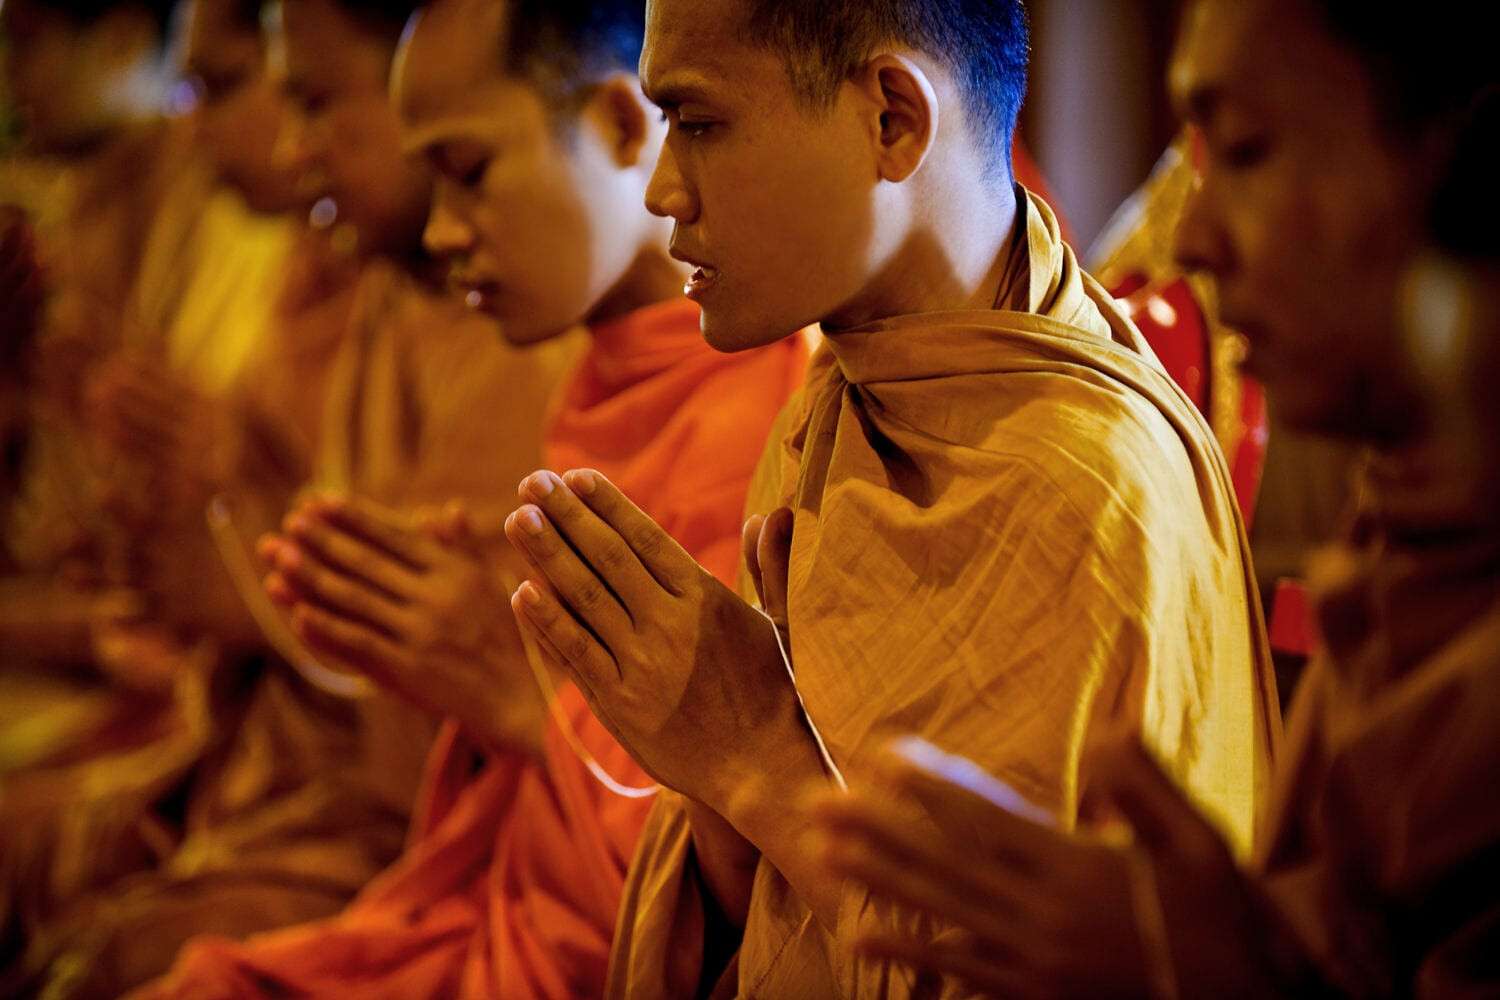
[793, 214]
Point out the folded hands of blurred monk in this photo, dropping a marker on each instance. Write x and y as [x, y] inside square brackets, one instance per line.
[413, 602]
[1038, 911]
[682, 671]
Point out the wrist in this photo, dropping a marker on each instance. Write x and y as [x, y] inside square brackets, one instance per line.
[764, 779]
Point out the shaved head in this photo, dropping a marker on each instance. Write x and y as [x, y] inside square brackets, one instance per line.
[559, 47]
[985, 44]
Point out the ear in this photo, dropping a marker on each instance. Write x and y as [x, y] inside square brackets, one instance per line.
[907, 107]
[617, 107]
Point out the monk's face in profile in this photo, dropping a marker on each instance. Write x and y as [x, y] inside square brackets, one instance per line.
[536, 207]
[772, 199]
[340, 133]
[1308, 209]
[239, 111]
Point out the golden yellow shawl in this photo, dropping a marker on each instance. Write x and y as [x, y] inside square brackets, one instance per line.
[1012, 532]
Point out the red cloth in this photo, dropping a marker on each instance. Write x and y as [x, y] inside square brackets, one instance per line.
[511, 881]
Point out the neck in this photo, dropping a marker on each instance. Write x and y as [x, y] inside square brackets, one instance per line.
[952, 258]
[651, 278]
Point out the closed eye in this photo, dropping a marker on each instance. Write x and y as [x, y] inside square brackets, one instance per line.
[1246, 153]
[693, 129]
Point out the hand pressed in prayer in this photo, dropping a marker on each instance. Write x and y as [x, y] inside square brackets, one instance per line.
[414, 603]
[1041, 912]
[684, 673]
[727, 860]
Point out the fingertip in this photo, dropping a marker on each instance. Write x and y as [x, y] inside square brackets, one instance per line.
[529, 596]
[288, 557]
[581, 481]
[539, 485]
[267, 546]
[276, 588]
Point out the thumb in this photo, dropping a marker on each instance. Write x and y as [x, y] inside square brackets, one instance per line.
[457, 525]
[749, 550]
[1128, 777]
[773, 554]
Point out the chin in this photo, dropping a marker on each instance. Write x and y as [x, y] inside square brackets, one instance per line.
[1322, 407]
[725, 334]
[525, 334]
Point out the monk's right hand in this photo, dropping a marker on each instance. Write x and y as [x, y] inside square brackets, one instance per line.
[413, 603]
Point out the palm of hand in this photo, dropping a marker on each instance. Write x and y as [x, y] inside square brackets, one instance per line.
[414, 604]
[684, 673]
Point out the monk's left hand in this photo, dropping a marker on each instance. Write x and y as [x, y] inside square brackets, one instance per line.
[685, 674]
[413, 602]
[1042, 911]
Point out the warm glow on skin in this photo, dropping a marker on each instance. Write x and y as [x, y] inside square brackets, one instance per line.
[539, 218]
[340, 135]
[799, 215]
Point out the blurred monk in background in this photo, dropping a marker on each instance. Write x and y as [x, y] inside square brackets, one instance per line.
[85, 86]
[992, 516]
[1291, 485]
[533, 118]
[292, 798]
[1327, 129]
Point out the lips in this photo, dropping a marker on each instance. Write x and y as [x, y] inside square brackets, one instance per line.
[703, 277]
[700, 282]
[477, 293]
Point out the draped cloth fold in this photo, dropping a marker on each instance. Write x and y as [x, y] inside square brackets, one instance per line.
[513, 870]
[1012, 534]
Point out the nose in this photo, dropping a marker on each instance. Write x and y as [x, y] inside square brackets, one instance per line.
[292, 151]
[1199, 243]
[446, 234]
[668, 193]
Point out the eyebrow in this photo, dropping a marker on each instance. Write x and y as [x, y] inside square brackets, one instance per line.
[674, 93]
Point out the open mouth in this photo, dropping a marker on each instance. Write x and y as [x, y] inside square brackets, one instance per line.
[700, 281]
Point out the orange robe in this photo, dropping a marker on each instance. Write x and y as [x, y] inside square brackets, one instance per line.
[1012, 534]
[1384, 849]
[513, 872]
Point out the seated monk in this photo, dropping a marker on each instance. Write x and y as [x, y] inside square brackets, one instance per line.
[516, 859]
[1290, 485]
[1325, 128]
[306, 795]
[994, 519]
[93, 165]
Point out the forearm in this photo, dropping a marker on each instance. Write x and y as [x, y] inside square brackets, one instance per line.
[726, 860]
[758, 808]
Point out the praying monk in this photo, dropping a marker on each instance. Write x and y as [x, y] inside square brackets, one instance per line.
[306, 794]
[993, 519]
[1326, 128]
[1291, 486]
[80, 133]
[533, 118]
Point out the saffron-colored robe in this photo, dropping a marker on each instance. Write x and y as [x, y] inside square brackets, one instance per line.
[1384, 846]
[1011, 532]
[512, 877]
